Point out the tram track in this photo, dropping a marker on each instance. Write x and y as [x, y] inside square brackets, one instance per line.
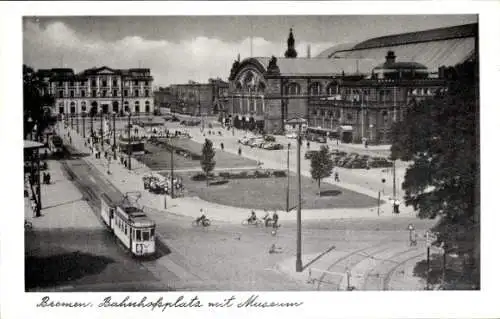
[354, 253]
[388, 276]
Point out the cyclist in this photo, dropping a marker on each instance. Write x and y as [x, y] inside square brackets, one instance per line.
[275, 219]
[252, 218]
[202, 219]
[266, 217]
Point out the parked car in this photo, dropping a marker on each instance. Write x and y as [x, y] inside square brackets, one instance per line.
[269, 138]
[257, 142]
[309, 154]
[291, 135]
[320, 139]
[272, 146]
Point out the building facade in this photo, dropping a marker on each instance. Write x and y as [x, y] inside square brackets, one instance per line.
[354, 99]
[101, 89]
[199, 98]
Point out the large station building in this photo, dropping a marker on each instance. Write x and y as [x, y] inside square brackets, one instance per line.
[355, 91]
[98, 90]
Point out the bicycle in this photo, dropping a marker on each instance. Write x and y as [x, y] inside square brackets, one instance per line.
[201, 223]
[257, 222]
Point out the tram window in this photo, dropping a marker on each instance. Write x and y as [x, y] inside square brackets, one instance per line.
[152, 232]
[145, 235]
[137, 235]
[112, 212]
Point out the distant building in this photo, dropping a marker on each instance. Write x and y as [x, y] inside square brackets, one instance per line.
[199, 98]
[351, 92]
[100, 90]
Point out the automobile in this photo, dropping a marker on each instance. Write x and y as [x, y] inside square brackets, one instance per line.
[309, 154]
[244, 140]
[269, 138]
[257, 142]
[320, 139]
[291, 135]
[272, 146]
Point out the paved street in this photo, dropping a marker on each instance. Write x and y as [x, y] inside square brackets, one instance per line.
[239, 256]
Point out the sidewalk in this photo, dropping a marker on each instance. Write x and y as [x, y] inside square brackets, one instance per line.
[63, 208]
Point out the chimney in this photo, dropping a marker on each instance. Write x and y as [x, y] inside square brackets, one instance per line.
[308, 51]
[390, 57]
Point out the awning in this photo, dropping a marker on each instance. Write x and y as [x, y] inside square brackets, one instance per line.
[345, 127]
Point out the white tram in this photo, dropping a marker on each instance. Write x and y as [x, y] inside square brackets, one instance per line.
[130, 225]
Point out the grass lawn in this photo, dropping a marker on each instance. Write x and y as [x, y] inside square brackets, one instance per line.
[270, 193]
[159, 158]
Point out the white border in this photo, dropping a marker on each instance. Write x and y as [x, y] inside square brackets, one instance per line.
[16, 304]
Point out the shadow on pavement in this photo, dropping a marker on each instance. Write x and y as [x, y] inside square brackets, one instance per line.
[318, 257]
[331, 192]
[41, 272]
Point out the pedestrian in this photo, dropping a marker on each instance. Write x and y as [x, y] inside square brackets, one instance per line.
[239, 150]
[308, 144]
[337, 179]
[275, 219]
[222, 146]
[48, 178]
[33, 206]
[396, 206]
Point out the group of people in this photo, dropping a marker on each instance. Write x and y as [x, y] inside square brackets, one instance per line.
[267, 218]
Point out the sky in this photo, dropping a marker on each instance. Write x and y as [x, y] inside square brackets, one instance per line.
[182, 48]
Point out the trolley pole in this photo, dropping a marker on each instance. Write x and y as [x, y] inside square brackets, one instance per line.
[298, 265]
[129, 145]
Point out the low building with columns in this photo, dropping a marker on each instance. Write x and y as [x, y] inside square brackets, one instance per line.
[101, 89]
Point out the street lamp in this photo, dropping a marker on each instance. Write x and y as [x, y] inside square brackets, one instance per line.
[298, 264]
[83, 123]
[288, 178]
[102, 131]
[114, 135]
[129, 148]
[77, 125]
[92, 126]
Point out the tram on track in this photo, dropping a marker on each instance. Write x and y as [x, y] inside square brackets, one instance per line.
[130, 225]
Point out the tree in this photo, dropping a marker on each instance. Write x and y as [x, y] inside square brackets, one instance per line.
[440, 137]
[321, 165]
[34, 100]
[207, 158]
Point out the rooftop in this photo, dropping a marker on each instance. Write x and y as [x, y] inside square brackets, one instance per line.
[319, 66]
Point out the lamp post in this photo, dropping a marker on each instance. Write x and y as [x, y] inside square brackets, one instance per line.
[77, 125]
[114, 135]
[83, 123]
[92, 126]
[72, 115]
[102, 131]
[288, 178]
[298, 264]
[129, 148]
[394, 184]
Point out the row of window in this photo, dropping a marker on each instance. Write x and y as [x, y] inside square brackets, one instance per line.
[333, 89]
[102, 83]
[83, 106]
[102, 93]
[139, 233]
[336, 114]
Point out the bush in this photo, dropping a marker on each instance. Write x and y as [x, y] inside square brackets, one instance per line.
[225, 175]
[199, 177]
[279, 174]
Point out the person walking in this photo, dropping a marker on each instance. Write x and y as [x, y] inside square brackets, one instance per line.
[222, 146]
